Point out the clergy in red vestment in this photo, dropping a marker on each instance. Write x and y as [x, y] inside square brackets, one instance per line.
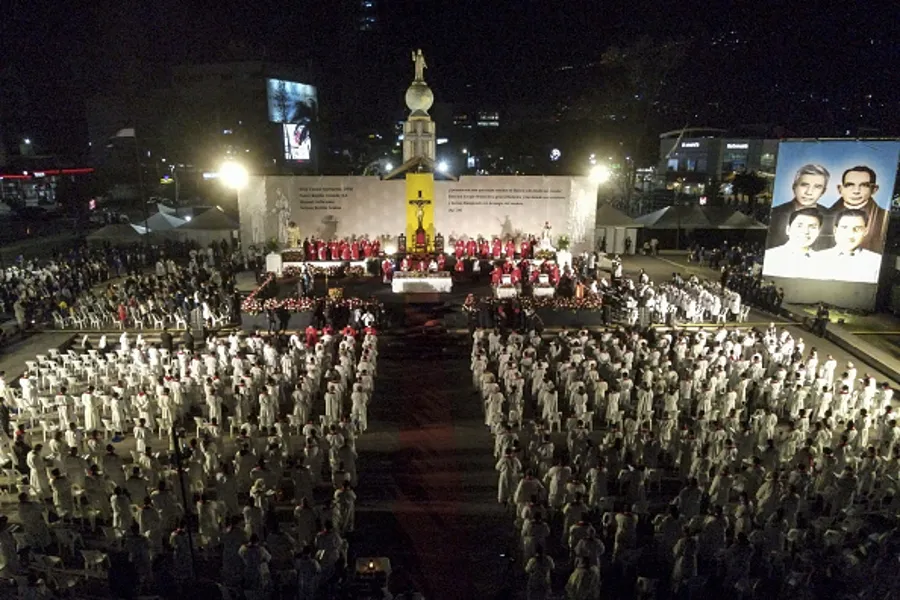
[322, 251]
[510, 249]
[516, 275]
[459, 249]
[423, 265]
[496, 248]
[367, 249]
[376, 248]
[485, 249]
[496, 274]
[460, 267]
[441, 261]
[387, 270]
[471, 248]
[535, 274]
[554, 274]
[525, 249]
[354, 251]
[345, 252]
[312, 336]
[404, 264]
[348, 332]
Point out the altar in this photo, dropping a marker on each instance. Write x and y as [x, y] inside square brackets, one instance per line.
[416, 282]
[503, 292]
[544, 292]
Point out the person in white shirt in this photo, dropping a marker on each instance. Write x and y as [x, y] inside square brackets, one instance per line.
[796, 258]
[847, 260]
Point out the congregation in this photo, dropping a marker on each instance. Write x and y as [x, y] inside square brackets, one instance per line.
[730, 461]
[243, 453]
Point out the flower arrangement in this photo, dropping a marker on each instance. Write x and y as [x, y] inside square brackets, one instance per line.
[253, 304]
[589, 302]
[293, 256]
[421, 275]
[562, 243]
[545, 255]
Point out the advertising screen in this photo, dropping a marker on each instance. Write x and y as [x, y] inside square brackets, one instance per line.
[297, 143]
[830, 208]
[295, 106]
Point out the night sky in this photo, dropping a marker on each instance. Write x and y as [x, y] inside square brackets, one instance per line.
[813, 70]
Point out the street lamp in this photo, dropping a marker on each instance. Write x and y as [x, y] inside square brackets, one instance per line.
[27, 141]
[388, 166]
[234, 175]
[443, 167]
[600, 174]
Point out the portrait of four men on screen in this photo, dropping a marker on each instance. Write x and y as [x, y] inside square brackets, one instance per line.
[832, 226]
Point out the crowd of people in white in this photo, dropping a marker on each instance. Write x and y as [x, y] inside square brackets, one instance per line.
[248, 399]
[725, 457]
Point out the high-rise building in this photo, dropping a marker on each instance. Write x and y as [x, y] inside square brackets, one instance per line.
[367, 15]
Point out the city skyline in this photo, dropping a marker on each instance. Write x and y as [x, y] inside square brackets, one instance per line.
[809, 72]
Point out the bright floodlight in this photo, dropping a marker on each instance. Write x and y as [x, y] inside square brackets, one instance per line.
[443, 167]
[388, 166]
[600, 174]
[234, 175]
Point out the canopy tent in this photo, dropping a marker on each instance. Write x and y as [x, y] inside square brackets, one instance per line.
[609, 216]
[209, 227]
[680, 226]
[117, 233]
[676, 217]
[212, 219]
[699, 217]
[162, 222]
[613, 229]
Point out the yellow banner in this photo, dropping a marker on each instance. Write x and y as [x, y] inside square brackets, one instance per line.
[419, 212]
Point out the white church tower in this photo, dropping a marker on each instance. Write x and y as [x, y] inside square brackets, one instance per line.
[419, 130]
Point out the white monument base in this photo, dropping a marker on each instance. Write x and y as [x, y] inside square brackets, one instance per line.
[274, 264]
[421, 285]
[544, 292]
[506, 292]
[563, 258]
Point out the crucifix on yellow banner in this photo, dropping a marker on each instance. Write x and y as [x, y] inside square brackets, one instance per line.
[420, 212]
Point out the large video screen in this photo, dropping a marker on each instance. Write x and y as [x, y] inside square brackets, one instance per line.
[295, 106]
[830, 209]
[297, 143]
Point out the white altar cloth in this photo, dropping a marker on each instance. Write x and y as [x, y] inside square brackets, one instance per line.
[421, 285]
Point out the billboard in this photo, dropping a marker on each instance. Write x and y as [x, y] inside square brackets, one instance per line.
[295, 106]
[830, 209]
[297, 141]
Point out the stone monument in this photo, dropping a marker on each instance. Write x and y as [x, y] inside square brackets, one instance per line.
[419, 130]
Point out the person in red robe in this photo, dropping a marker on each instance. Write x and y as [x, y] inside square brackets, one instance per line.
[524, 248]
[442, 262]
[327, 330]
[535, 275]
[348, 332]
[471, 248]
[312, 336]
[335, 251]
[367, 249]
[554, 274]
[387, 271]
[510, 249]
[423, 265]
[404, 264]
[354, 251]
[485, 249]
[460, 267]
[459, 249]
[376, 247]
[496, 274]
[496, 248]
[322, 251]
[345, 251]
[516, 276]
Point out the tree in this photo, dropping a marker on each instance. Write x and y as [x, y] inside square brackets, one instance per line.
[748, 184]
